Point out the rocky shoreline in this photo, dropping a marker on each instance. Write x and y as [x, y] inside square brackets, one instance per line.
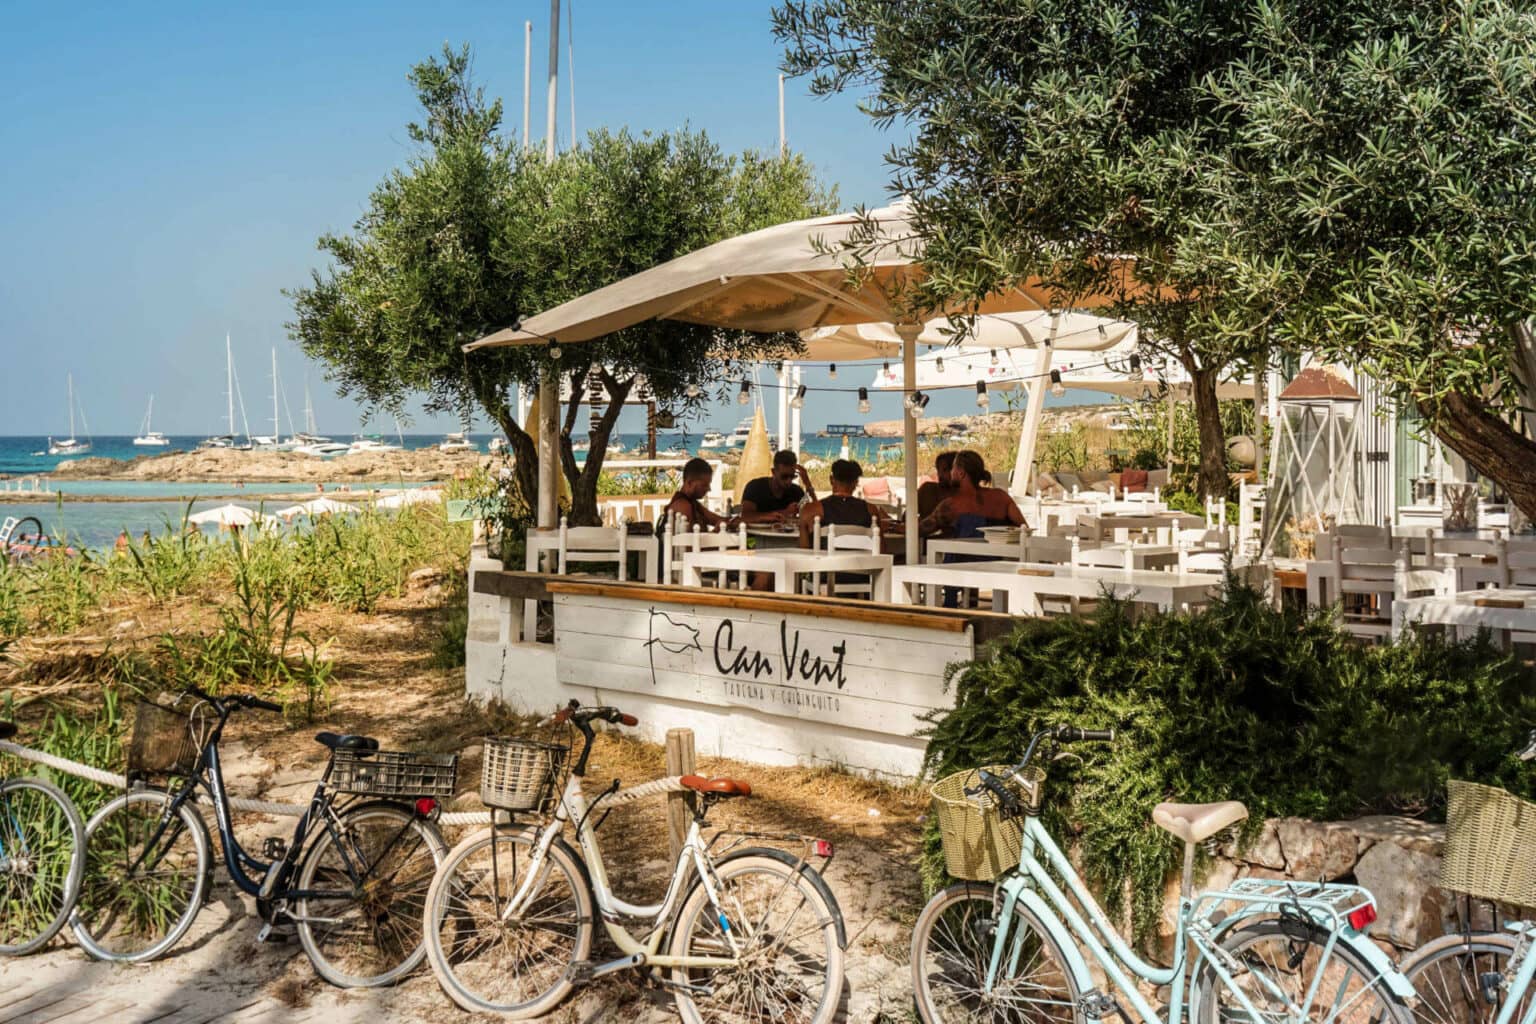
[225, 466]
[988, 422]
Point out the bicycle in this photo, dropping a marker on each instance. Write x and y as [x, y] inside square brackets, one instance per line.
[42, 859]
[1484, 977]
[757, 935]
[351, 881]
[1264, 952]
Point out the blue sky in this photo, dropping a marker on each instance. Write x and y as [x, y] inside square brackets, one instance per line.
[167, 168]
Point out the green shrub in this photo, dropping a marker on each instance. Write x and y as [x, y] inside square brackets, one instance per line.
[1280, 710]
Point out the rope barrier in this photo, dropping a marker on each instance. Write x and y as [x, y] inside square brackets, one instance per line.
[237, 803]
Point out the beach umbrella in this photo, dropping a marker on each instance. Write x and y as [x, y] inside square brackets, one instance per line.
[1065, 331]
[413, 496]
[756, 455]
[315, 507]
[789, 277]
[230, 517]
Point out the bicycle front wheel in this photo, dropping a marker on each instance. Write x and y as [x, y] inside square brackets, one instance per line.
[145, 872]
[42, 859]
[1465, 979]
[1284, 965]
[952, 949]
[364, 890]
[513, 964]
[781, 928]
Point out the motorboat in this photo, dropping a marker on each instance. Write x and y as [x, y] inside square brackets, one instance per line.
[713, 439]
[323, 448]
[148, 438]
[457, 442]
[372, 443]
[739, 436]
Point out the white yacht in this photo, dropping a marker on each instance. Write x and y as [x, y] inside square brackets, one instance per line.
[458, 442]
[150, 438]
[740, 434]
[372, 443]
[713, 439]
[320, 447]
[71, 445]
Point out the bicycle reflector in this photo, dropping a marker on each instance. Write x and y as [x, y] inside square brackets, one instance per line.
[1362, 917]
[426, 807]
[823, 848]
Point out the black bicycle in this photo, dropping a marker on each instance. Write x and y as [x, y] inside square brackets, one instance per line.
[352, 881]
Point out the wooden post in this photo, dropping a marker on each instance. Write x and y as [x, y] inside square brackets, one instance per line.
[679, 805]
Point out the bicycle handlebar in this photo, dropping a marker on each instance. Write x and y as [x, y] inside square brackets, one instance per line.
[1529, 753]
[580, 716]
[1069, 734]
[243, 700]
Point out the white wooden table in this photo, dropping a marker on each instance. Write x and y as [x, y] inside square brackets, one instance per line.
[1505, 612]
[1017, 587]
[787, 565]
[1142, 556]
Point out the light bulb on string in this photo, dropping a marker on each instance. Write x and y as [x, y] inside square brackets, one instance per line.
[916, 403]
[798, 402]
[554, 350]
[745, 394]
[1103, 334]
[994, 357]
[885, 368]
[982, 398]
[832, 371]
[1135, 367]
[1057, 387]
[938, 364]
[864, 400]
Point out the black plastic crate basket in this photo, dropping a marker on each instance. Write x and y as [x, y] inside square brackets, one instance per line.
[394, 773]
[167, 741]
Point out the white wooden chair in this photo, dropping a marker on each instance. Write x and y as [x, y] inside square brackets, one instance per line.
[834, 537]
[676, 542]
[1056, 551]
[1517, 563]
[592, 544]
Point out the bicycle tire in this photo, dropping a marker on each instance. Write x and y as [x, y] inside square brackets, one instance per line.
[952, 947]
[467, 942]
[379, 938]
[1448, 975]
[1382, 1007]
[114, 888]
[789, 890]
[33, 866]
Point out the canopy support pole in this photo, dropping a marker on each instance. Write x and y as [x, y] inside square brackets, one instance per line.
[1023, 482]
[908, 334]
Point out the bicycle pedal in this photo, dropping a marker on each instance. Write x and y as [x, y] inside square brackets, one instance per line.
[276, 933]
[585, 971]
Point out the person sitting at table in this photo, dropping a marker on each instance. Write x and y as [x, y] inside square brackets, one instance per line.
[687, 505]
[840, 508]
[776, 497]
[974, 504]
[932, 492]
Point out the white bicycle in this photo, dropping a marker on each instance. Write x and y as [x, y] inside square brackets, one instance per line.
[752, 933]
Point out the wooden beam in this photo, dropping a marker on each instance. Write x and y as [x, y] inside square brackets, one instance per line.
[524, 586]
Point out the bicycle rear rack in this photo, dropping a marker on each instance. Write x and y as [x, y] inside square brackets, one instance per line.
[1328, 903]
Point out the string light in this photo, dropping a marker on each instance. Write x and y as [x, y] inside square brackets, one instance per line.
[554, 350]
[745, 394]
[916, 403]
[798, 402]
[885, 368]
[864, 400]
[832, 371]
[938, 364]
[1057, 388]
[1103, 334]
[982, 398]
[1135, 367]
[994, 357]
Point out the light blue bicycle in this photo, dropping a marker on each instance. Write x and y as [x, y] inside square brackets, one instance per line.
[1258, 952]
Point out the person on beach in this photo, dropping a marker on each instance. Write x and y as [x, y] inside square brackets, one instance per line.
[934, 491]
[686, 508]
[122, 543]
[776, 497]
[974, 503]
[840, 508]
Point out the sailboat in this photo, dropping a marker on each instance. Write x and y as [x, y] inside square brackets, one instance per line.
[309, 441]
[71, 445]
[273, 441]
[150, 438]
[229, 440]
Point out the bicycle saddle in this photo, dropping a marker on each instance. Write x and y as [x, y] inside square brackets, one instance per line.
[1195, 823]
[717, 787]
[7, 730]
[347, 742]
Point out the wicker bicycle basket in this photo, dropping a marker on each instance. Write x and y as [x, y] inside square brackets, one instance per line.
[979, 843]
[1490, 844]
[519, 774]
[394, 773]
[166, 741]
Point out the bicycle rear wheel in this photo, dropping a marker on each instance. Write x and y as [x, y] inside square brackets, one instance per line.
[146, 870]
[1284, 963]
[360, 917]
[1465, 979]
[517, 966]
[780, 926]
[42, 859]
[952, 949]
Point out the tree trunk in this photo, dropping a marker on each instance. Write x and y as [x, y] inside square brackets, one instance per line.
[525, 464]
[1490, 446]
[583, 481]
[1213, 438]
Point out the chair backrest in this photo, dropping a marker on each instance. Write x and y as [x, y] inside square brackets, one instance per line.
[1461, 546]
[1363, 531]
[1051, 550]
[835, 537]
[1201, 539]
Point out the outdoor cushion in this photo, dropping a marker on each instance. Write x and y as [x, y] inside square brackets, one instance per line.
[876, 489]
[1157, 478]
[1133, 481]
[1102, 486]
[1069, 481]
[1047, 484]
[1089, 477]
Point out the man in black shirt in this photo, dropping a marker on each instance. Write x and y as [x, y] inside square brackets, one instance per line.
[775, 497]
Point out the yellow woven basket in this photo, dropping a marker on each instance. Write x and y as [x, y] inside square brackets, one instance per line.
[979, 843]
[1490, 844]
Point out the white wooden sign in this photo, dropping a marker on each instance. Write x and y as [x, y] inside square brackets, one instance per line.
[874, 677]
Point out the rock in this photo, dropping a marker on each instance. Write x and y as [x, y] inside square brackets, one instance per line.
[1265, 851]
[125, 626]
[1410, 905]
[1409, 833]
[425, 577]
[1316, 849]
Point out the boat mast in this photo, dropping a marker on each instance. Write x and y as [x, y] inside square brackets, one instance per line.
[70, 384]
[229, 382]
[275, 428]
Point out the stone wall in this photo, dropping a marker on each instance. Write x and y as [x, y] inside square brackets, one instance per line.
[1397, 859]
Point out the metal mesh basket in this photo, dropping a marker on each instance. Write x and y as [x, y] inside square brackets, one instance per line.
[166, 741]
[519, 774]
[979, 843]
[1490, 844]
[394, 773]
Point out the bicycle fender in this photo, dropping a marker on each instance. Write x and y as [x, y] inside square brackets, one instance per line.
[1384, 965]
[811, 874]
[1018, 888]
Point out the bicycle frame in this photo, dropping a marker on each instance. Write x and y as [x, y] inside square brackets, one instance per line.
[1525, 974]
[1033, 887]
[693, 857]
